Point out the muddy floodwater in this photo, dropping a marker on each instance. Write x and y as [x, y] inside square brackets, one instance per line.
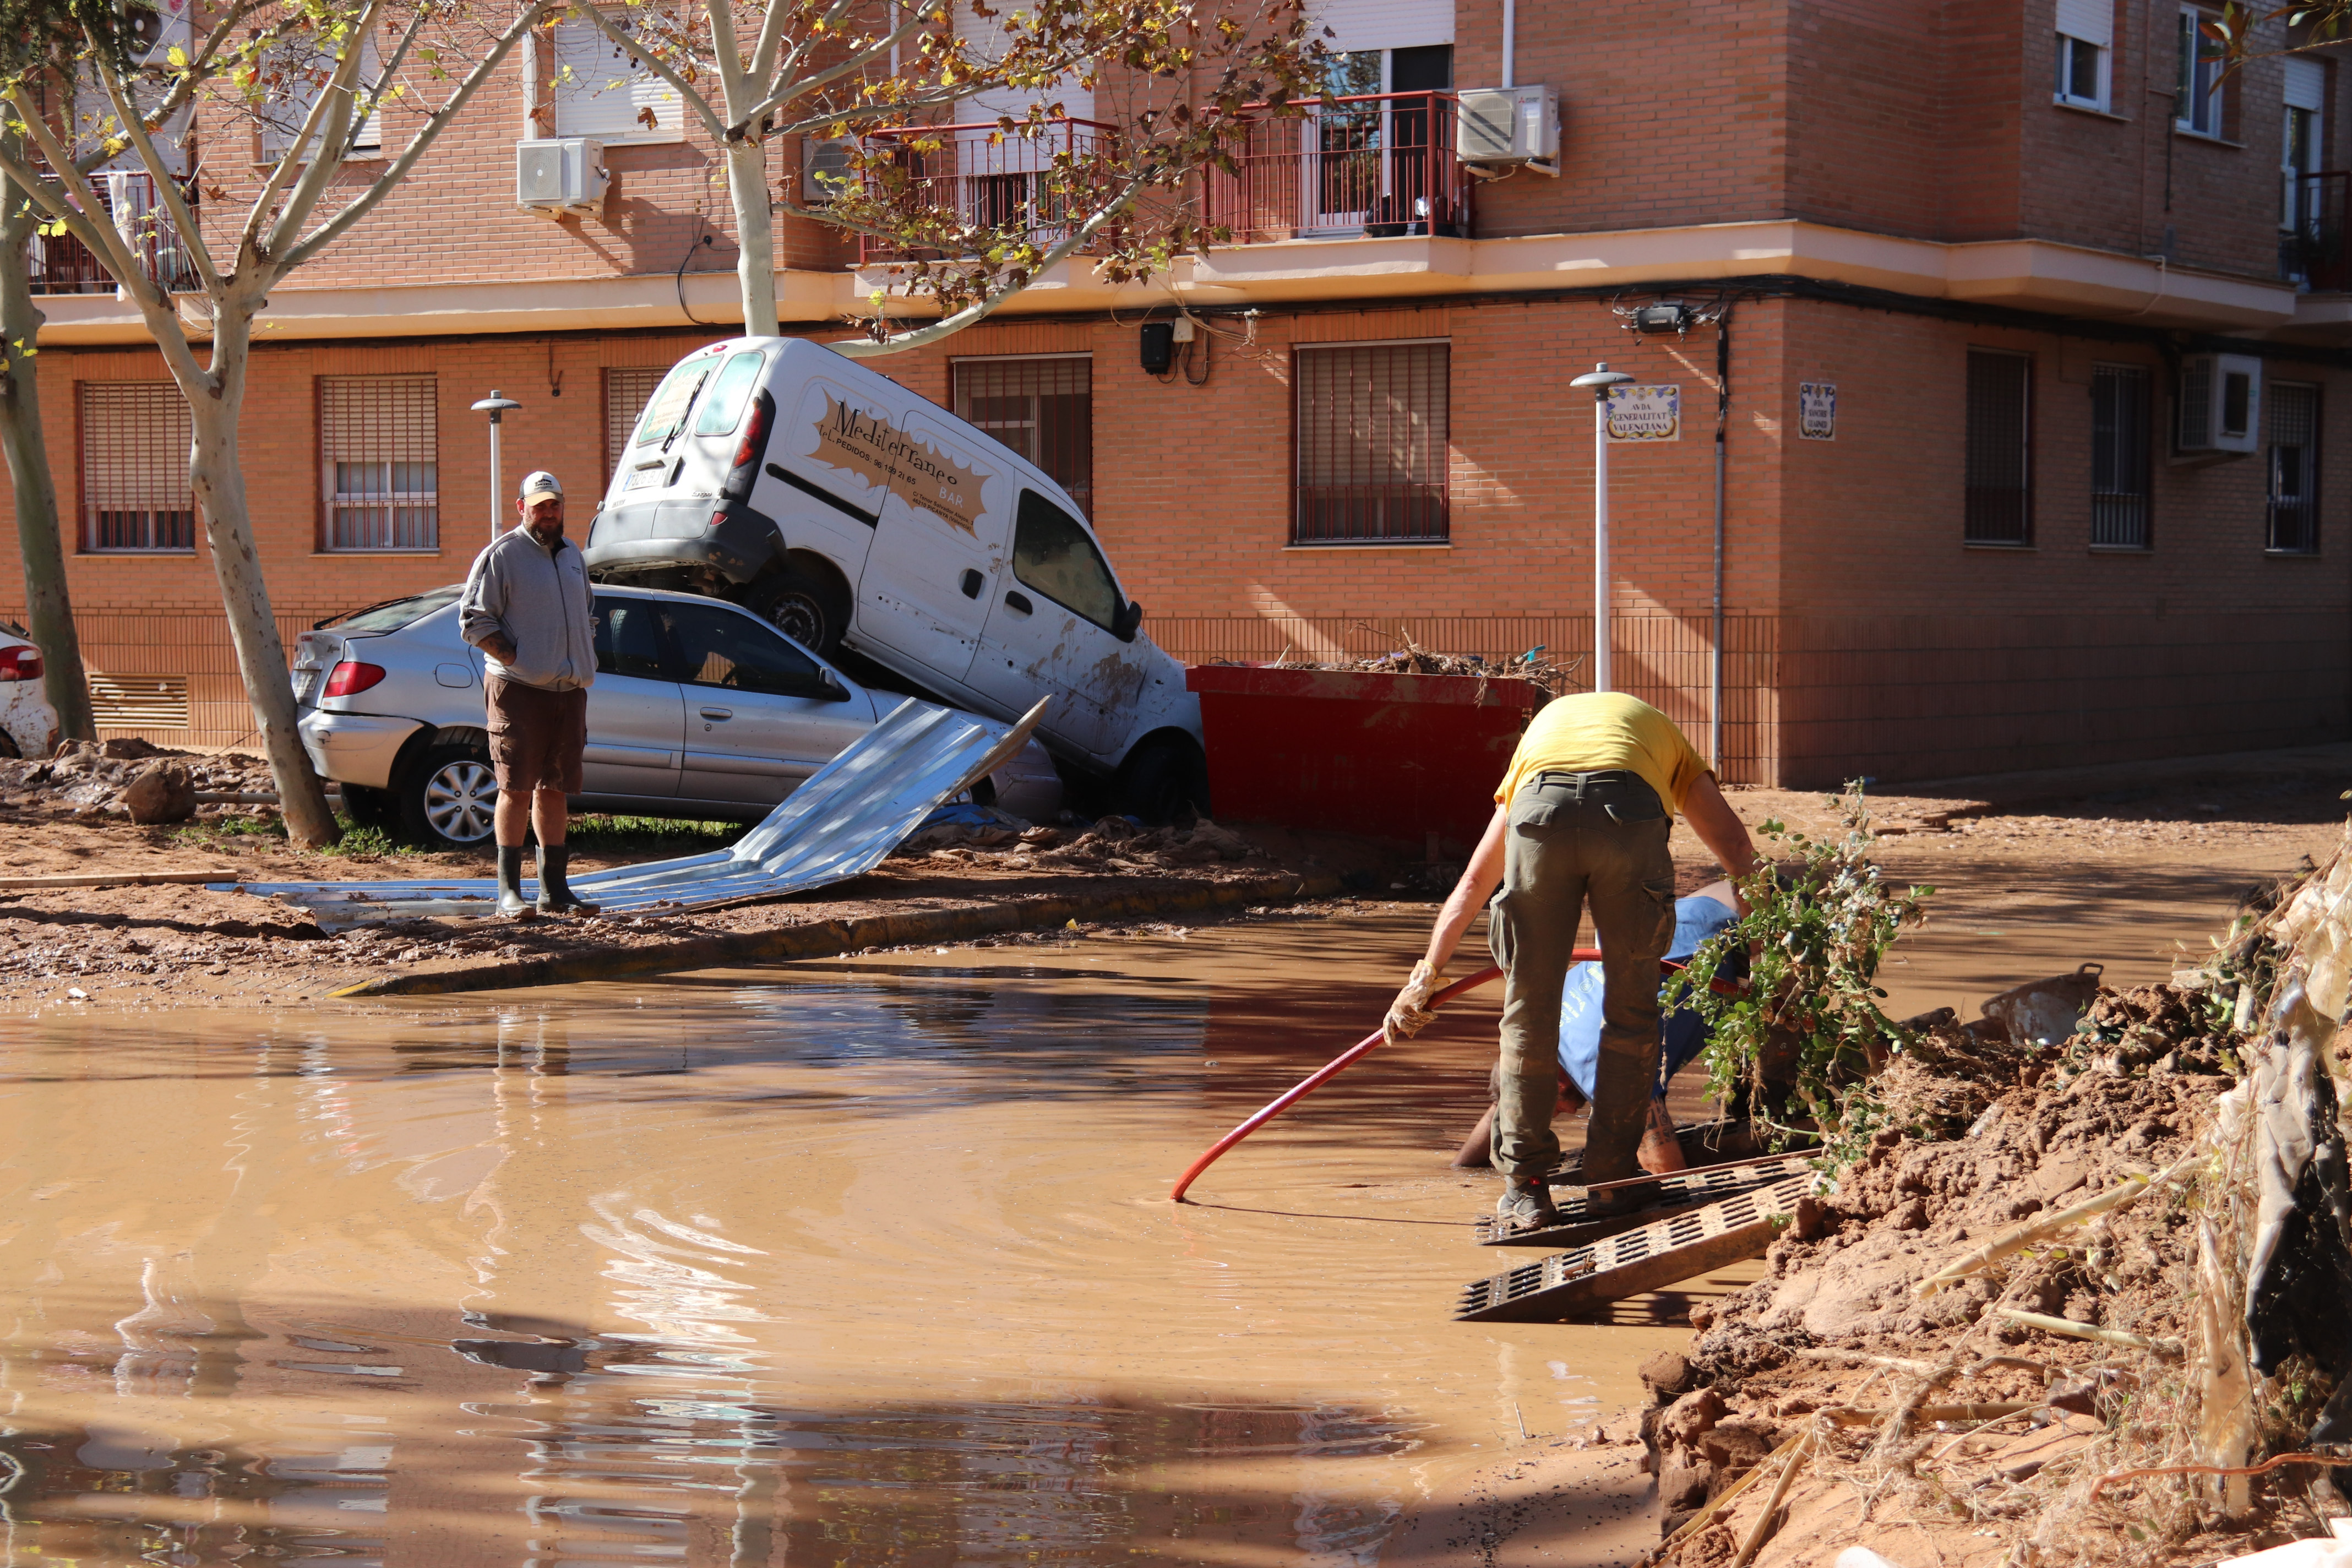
[864, 1263]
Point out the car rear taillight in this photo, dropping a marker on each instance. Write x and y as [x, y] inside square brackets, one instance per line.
[20, 664]
[351, 677]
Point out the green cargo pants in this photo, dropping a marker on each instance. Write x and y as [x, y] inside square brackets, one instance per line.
[1577, 837]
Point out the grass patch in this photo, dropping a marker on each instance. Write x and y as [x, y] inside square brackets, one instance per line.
[599, 831]
[358, 841]
[203, 834]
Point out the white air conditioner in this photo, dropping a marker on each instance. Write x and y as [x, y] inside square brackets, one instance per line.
[1508, 127]
[559, 173]
[824, 167]
[2220, 403]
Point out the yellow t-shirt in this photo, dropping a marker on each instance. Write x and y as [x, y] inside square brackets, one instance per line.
[1594, 732]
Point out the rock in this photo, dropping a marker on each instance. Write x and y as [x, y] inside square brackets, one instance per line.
[1683, 1486]
[161, 792]
[1733, 1446]
[1687, 1418]
[1667, 1375]
[129, 748]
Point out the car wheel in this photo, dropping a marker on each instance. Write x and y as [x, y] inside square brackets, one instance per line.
[1163, 780]
[370, 808]
[448, 799]
[803, 609]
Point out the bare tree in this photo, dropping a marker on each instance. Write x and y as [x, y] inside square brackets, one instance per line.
[1191, 79]
[299, 64]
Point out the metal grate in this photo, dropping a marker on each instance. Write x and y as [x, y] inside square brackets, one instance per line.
[135, 468]
[1675, 1194]
[2000, 458]
[2291, 409]
[139, 701]
[627, 392]
[379, 455]
[2119, 457]
[1042, 407]
[1372, 435]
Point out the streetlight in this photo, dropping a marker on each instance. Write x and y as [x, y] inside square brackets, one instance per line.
[497, 408]
[1602, 379]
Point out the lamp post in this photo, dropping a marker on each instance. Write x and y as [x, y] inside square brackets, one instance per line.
[1602, 379]
[497, 408]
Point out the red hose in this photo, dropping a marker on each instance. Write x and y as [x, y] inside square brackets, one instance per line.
[1355, 1054]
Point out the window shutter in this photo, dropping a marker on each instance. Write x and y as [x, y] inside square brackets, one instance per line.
[602, 96]
[1382, 23]
[2306, 84]
[2092, 21]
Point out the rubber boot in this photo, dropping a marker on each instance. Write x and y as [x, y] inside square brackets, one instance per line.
[555, 895]
[511, 903]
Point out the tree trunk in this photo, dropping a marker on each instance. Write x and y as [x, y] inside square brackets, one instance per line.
[219, 485]
[49, 609]
[755, 231]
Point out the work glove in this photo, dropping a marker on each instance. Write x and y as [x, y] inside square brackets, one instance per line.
[1410, 1014]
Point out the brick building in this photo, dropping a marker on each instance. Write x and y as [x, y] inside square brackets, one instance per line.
[2039, 341]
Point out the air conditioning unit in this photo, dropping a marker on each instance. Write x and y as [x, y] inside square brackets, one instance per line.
[824, 168]
[559, 173]
[2220, 403]
[1508, 127]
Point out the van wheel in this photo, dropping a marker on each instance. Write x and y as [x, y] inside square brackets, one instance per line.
[447, 798]
[805, 609]
[1166, 779]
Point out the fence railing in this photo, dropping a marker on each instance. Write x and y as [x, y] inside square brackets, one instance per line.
[984, 177]
[1378, 164]
[2312, 249]
[62, 264]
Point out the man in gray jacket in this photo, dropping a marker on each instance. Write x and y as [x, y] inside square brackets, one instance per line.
[529, 608]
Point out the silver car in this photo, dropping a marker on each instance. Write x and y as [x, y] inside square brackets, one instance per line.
[700, 709]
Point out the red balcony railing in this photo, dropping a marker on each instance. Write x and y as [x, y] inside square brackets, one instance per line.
[61, 264]
[1379, 164]
[985, 179]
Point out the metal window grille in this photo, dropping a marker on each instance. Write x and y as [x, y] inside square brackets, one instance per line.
[1372, 435]
[2000, 503]
[2120, 446]
[1042, 407]
[2290, 410]
[627, 392]
[379, 456]
[135, 468]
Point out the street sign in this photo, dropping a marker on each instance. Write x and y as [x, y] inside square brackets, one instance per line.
[1645, 413]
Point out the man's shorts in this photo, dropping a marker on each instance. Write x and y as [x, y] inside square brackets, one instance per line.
[536, 735]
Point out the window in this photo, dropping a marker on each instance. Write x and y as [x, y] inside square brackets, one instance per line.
[2196, 95]
[723, 648]
[601, 90]
[2306, 91]
[135, 468]
[723, 409]
[2292, 412]
[665, 415]
[628, 642]
[2119, 415]
[1042, 407]
[379, 456]
[304, 71]
[1372, 444]
[2086, 35]
[1999, 467]
[627, 392]
[1053, 553]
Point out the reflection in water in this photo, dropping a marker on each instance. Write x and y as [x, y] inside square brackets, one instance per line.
[843, 1270]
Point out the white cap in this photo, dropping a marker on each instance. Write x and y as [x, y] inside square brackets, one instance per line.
[539, 485]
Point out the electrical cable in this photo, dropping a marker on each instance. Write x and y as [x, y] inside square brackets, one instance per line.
[679, 279]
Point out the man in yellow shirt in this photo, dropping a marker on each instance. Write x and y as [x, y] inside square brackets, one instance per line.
[1581, 816]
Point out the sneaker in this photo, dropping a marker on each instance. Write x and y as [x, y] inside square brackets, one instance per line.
[1527, 1207]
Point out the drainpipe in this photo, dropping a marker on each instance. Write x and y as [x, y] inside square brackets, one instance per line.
[1722, 425]
[1510, 40]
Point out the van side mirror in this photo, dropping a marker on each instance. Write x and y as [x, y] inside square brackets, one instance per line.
[1130, 617]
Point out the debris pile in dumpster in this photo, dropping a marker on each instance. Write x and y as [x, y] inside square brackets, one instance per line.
[1554, 676]
[2083, 1298]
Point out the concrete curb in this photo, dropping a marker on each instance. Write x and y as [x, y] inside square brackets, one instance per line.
[824, 939]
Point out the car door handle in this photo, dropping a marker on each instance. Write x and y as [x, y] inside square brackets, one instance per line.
[1018, 602]
[719, 712]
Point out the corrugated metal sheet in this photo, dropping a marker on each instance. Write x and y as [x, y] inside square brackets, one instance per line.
[840, 823]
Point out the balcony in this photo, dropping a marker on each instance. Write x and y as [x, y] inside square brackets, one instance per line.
[62, 264]
[983, 177]
[1379, 166]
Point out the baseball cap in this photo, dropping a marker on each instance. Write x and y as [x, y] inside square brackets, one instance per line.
[539, 485]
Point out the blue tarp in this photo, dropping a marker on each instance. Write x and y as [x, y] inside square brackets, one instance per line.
[1696, 919]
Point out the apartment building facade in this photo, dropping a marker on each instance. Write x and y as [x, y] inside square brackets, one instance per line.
[2027, 331]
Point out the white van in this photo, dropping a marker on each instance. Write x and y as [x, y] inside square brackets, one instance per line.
[851, 513]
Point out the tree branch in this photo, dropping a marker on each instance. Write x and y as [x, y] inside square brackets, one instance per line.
[334, 139]
[166, 187]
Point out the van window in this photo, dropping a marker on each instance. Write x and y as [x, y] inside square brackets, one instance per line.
[1052, 554]
[666, 412]
[723, 405]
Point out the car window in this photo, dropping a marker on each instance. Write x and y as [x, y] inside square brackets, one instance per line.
[628, 638]
[718, 646]
[1053, 553]
[666, 411]
[394, 614]
[722, 405]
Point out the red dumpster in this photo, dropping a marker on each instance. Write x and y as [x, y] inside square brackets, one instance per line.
[1388, 756]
